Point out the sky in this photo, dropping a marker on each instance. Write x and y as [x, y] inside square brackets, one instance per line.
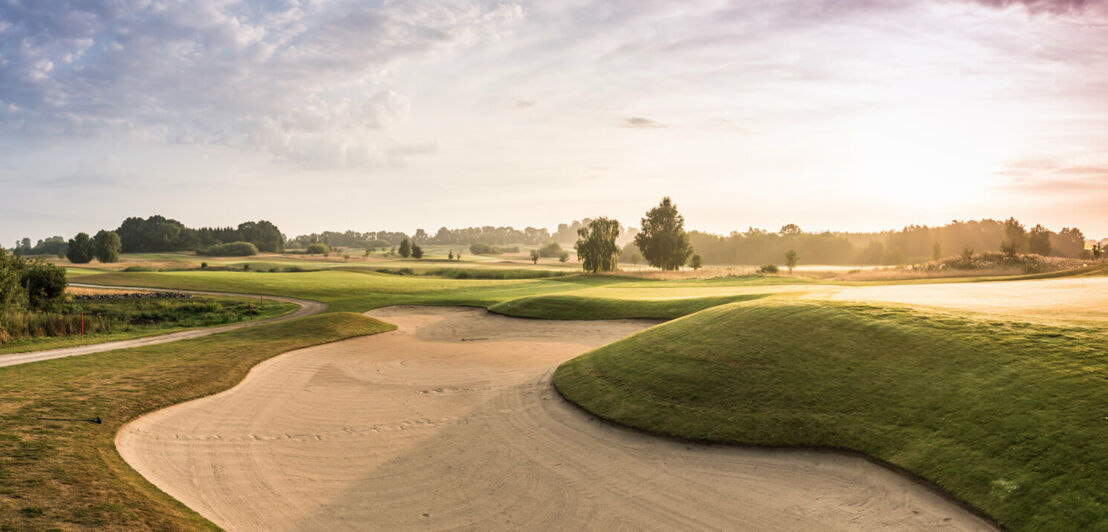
[849, 115]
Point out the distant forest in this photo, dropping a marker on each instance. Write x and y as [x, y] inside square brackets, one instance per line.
[914, 243]
[158, 234]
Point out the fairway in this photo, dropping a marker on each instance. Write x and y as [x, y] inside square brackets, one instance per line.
[450, 422]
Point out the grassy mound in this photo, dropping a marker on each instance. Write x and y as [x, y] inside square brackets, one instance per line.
[1008, 417]
[564, 307]
[67, 474]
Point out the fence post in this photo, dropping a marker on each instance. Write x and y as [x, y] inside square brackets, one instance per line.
[251, 312]
[82, 323]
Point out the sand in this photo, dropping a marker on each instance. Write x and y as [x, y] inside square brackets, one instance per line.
[451, 422]
[306, 308]
[1071, 299]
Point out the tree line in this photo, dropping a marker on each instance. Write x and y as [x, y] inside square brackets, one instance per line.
[158, 234]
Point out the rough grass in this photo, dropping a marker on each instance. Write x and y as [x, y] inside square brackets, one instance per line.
[111, 320]
[65, 475]
[1009, 417]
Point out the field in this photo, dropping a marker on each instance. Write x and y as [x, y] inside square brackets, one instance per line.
[993, 391]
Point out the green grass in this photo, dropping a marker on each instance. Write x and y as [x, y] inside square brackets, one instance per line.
[1009, 417]
[57, 474]
[357, 290]
[137, 318]
[560, 307]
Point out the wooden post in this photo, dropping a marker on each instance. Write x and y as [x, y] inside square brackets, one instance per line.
[82, 323]
[251, 312]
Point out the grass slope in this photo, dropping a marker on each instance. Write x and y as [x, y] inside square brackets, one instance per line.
[60, 474]
[1009, 417]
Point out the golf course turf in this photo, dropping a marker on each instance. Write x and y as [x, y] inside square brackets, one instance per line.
[1005, 415]
[1008, 417]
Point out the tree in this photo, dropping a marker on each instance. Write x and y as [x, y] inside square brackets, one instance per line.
[791, 258]
[106, 246]
[535, 256]
[80, 249]
[596, 245]
[695, 262]
[450, 256]
[405, 248]
[790, 230]
[320, 248]
[936, 251]
[1038, 240]
[417, 252]
[1015, 236]
[663, 240]
[1098, 251]
[563, 256]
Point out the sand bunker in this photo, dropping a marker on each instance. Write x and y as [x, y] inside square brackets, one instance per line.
[451, 422]
[1067, 299]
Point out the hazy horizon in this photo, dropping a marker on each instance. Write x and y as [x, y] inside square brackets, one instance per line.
[859, 115]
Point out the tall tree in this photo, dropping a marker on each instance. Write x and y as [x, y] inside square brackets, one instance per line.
[80, 249]
[596, 245]
[663, 240]
[106, 246]
[405, 248]
[791, 259]
[417, 252]
[1038, 240]
[1015, 236]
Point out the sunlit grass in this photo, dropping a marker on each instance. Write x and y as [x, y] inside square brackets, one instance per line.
[1007, 416]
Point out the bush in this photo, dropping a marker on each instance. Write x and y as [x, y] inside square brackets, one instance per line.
[139, 269]
[318, 248]
[550, 250]
[230, 249]
[478, 248]
[768, 268]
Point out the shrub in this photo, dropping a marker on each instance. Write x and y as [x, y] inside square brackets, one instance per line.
[768, 268]
[550, 250]
[318, 248]
[231, 249]
[479, 248]
[417, 252]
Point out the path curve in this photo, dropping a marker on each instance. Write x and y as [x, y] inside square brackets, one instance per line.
[307, 308]
[451, 422]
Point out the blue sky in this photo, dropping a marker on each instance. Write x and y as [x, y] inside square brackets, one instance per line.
[845, 115]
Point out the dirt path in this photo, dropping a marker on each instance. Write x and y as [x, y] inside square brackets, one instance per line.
[306, 308]
[451, 422]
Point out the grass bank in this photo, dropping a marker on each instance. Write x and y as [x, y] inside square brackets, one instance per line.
[1009, 417]
[67, 474]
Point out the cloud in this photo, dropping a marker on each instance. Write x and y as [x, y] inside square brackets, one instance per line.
[278, 77]
[638, 122]
[1047, 6]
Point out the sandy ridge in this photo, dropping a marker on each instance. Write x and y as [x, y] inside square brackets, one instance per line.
[451, 422]
[307, 308]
